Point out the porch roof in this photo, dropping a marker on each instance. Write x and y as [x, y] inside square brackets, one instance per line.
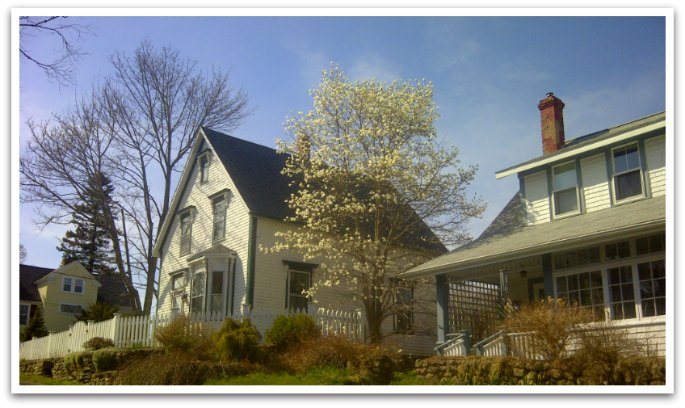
[507, 238]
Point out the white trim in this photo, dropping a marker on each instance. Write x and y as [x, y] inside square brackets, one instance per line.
[565, 154]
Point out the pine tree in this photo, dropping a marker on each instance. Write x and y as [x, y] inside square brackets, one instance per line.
[35, 327]
[89, 243]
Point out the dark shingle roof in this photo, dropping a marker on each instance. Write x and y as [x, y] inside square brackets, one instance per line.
[256, 172]
[113, 291]
[28, 275]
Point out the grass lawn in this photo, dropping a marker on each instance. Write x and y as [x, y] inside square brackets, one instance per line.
[34, 379]
[318, 376]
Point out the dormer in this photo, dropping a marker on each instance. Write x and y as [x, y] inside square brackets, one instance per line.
[601, 170]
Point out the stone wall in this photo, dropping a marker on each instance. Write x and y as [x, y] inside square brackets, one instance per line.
[83, 367]
[514, 371]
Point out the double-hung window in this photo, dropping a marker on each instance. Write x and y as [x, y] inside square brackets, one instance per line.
[73, 285]
[627, 172]
[565, 189]
[219, 222]
[404, 316]
[185, 221]
[204, 169]
[299, 283]
[24, 311]
[197, 293]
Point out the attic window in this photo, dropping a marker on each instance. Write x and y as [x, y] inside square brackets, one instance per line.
[565, 189]
[72, 285]
[203, 161]
[185, 222]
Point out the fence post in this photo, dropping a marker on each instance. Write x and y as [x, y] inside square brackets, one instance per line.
[312, 309]
[49, 352]
[114, 333]
[362, 325]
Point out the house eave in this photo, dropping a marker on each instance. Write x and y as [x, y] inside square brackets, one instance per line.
[570, 152]
[534, 250]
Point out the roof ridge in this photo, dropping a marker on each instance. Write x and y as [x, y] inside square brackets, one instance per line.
[240, 139]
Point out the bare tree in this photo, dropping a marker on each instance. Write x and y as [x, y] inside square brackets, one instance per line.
[60, 163]
[59, 30]
[157, 100]
[145, 120]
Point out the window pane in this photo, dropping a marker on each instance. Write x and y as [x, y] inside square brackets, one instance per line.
[627, 290]
[646, 289]
[565, 176]
[219, 219]
[584, 279]
[648, 308]
[573, 282]
[626, 158]
[67, 285]
[629, 310]
[644, 271]
[656, 243]
[23, 314]
[596, 278]
[642, 246]
[660, 306]
[565, 201]
[78, 286]
[628, 185]
[626, 274]
[658, 269]
[561, 284]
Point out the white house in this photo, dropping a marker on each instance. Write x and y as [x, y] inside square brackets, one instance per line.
[587, 224]
[228, 206]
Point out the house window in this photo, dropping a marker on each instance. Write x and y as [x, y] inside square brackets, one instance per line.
[648, 245]
[584, 290]
[618, 250]
[71, 309]
[621, 292]
[579, 257]
[216, 300]
[219, 224]
[186, 231]
[652, 277]
[565, 189]
[178, 284]
[197, 296]
[299, 282]
[627, 172]
[24, 311]
[72, 285]
[204, 169]
[404, 316]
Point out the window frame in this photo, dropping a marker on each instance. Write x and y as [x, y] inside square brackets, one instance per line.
[403, 322]
[71, 288]
[203, 161]
[616, 174]
[633, 261]
[182, 215]
[62, 305]
[21, 314]
[221, 198]
[556, 190]
[290, 295]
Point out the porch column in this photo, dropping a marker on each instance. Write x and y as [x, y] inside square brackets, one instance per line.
[547, 274]
[442, 301]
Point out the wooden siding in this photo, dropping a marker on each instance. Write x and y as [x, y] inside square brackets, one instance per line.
[655, 153]
[237, 225]
[595, 183]
[537, 198]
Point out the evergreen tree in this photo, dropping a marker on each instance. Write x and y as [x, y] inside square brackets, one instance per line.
[35, 327]
[98, 312]
[89, 243]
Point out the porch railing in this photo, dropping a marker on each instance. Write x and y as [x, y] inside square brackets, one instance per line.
[131, 331]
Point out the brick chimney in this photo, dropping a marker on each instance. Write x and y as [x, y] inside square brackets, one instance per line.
[552, 123]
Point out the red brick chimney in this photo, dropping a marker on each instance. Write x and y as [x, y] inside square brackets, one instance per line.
[552, 123]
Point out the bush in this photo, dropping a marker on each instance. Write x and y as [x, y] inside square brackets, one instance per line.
[98, 312]
[288, 331]
[237, 340]
[165, 369]
[105, 359]
[184, 337]
[97, 343]
[550, 323]
[35, 327]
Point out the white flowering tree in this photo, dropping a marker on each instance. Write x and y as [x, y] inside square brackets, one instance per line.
[376, 194]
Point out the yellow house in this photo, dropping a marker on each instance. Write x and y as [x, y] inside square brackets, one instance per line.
[64, 293]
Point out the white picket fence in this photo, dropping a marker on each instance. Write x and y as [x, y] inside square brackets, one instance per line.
[139, 331]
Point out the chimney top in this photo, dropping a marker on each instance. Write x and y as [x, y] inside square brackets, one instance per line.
[552, 120]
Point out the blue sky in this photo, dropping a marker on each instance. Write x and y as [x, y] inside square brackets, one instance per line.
[488, 73]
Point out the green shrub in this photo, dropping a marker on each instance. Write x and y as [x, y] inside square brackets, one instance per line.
[237, 340]
[35, 327]
[98, 312]
[74, 362]
[287, 331]
[97, 343]
[183, 336]
[105, 359]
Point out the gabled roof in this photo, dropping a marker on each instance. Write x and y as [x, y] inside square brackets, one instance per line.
[256, 173]
[596, 140]
[508, 238]
[28, 275]
[112, 290]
